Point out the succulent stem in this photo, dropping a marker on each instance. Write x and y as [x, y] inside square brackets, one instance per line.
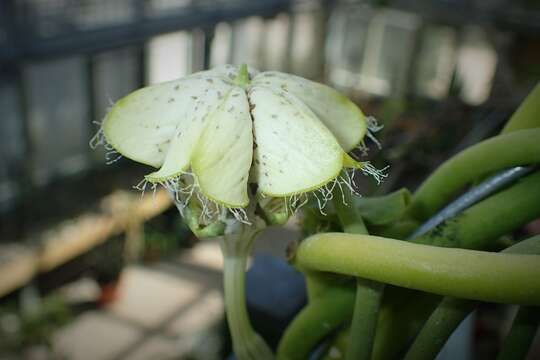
[235, 245]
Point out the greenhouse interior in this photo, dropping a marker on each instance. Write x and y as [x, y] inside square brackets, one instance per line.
[433, 105]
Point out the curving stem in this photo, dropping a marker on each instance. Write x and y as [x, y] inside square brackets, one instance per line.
[368, 293]
[235, 245]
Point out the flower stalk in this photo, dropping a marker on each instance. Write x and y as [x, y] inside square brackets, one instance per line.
[236, 245]
[368, 293]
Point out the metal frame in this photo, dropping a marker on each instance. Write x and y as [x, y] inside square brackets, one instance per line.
[23, 47]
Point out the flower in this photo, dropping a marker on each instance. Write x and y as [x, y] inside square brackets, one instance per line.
[213, 133]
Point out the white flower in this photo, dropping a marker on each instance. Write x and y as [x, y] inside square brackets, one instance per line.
[214, 132]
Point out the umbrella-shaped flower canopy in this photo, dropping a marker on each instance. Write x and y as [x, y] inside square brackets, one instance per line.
[228, 127]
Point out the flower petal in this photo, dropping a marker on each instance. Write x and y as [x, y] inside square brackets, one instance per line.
[143, 125]
[340, 115]
[188, 132]
[224, 152]
[295, 152]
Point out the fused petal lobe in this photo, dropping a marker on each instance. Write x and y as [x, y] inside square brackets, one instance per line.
[143, 125]
[294, 151]
[188, 131]
[340, 115]
[223, 155]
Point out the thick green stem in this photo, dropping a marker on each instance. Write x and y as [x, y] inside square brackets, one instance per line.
[403, 313]
[350, 220]
[440, 325]
[444, 271]
[451, 312]
[383, 210]
[364, 322]
[315, 321]
[477, 227]
[247, 343]
[517, 343]
[527, 115]
[235, 245]
[368, 292]
[501, 213]
[516, 148]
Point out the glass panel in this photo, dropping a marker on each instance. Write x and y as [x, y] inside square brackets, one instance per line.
[275, 43]
[247, 41]
[57, 95]
[348, 28]
[220, 51]
[476, 63]
[115, 75]
[11, 144]
[389, 49]
[436, 62]
[169, 57]
[307, 43]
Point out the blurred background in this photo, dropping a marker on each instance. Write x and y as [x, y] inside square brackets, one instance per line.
[89, 269]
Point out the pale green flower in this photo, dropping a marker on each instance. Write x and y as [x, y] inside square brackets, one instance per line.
[215, 132]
